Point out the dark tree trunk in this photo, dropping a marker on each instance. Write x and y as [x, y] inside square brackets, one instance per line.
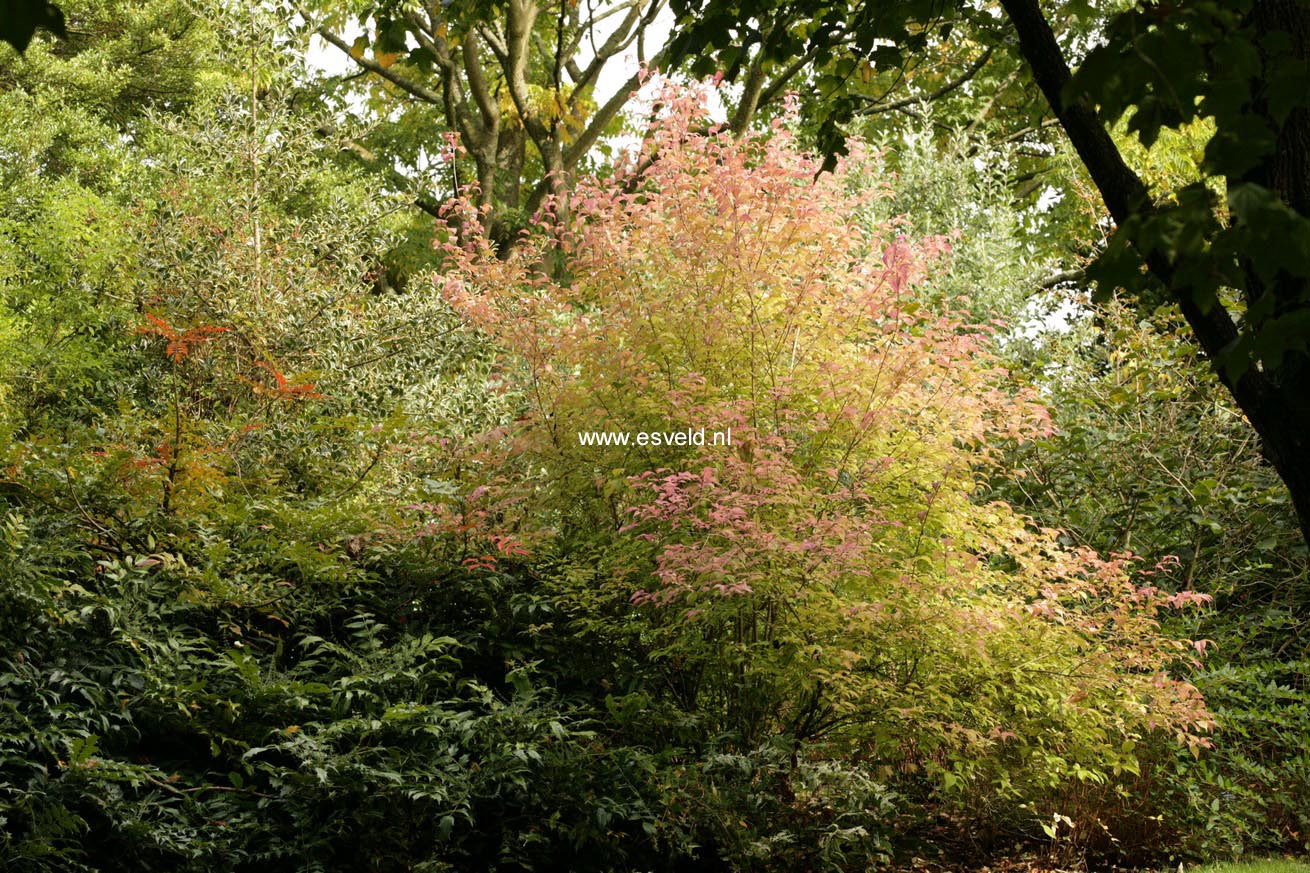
[1286, 172]
[1276, 402]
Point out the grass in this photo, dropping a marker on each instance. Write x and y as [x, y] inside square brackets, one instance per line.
[1271, 866]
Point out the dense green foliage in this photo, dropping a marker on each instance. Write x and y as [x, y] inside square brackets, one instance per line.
[1146, 459]
[302, 566]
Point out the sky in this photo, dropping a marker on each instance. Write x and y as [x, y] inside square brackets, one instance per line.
[331, 61]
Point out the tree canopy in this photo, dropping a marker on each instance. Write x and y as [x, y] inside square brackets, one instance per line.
[629, 436]
[1229, 247]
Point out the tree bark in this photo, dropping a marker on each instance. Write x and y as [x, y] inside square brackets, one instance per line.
[1277, 402]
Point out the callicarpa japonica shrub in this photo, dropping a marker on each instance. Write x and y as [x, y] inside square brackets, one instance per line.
[823, 601]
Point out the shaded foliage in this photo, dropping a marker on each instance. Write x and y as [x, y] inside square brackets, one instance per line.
[300, 566]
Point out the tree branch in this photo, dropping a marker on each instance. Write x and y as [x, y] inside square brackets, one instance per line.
[1020, 134]
[478, 87]
[520, 17]
[1127, 198]
[620, 39]
[752, 88]
[1061, 277]
[788, 73]
[941, 92]
[427, 95]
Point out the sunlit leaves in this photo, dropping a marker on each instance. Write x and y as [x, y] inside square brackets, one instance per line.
[831, 562]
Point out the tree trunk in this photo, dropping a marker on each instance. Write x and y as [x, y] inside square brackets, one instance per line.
[1276, 402]
[1286, 172]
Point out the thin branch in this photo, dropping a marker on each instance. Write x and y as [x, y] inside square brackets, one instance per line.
[620, 39]
[1075, 275]
[495, 42]
[780, 81]
[604, 115]
[423, 93]
[941, 92]
[991, 101]
[183, 792]
[1020, 134]
[589, 26]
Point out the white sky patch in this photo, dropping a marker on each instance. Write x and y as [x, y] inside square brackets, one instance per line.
[621, 67]
[328, 60]
[1044, 314]
[1049, 198]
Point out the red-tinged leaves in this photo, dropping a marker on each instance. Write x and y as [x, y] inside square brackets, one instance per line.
[283, 389]
[720, 283]
[180, 342]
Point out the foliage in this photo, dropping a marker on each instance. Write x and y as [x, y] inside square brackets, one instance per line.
[216, 654]
[957, 188]
[118, 62]
[1238, 68]
[156, 723]
[1145, 457]
[1256, 91]
[1270, 866]
[827, 581]
[300, 564]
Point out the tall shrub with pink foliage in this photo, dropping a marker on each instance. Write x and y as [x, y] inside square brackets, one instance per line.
[827, 584]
